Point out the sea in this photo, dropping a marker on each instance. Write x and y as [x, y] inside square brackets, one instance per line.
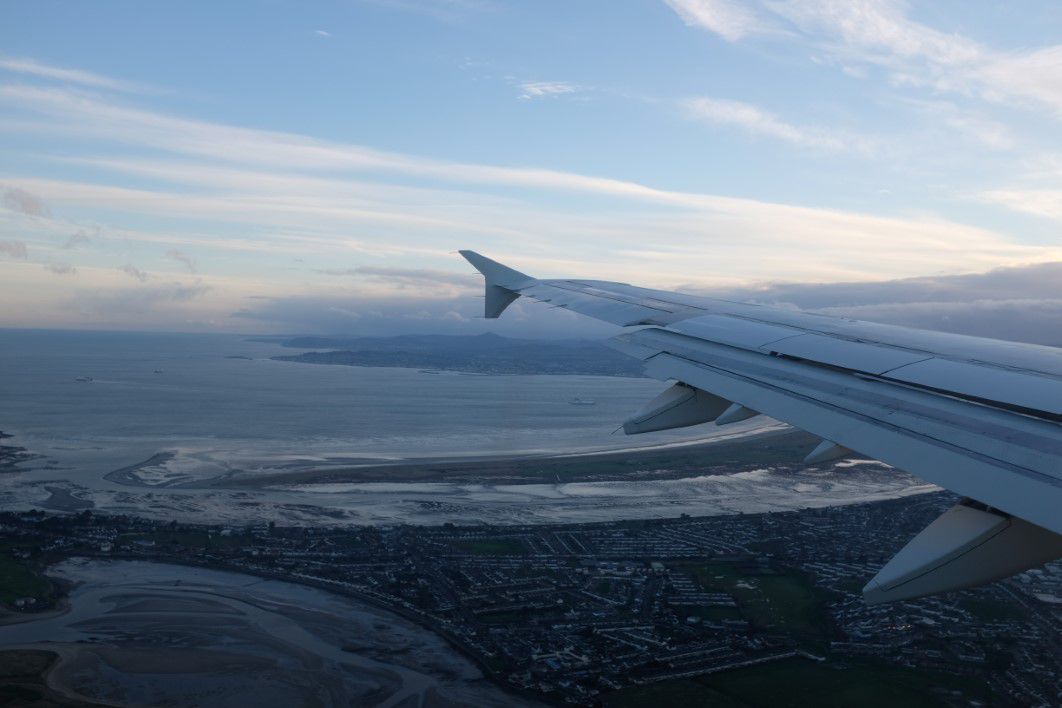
[153, 391]
[188, 410]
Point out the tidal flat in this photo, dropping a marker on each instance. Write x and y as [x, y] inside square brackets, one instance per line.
[145, 633]
[211, 429]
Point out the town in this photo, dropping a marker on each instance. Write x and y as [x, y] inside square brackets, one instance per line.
[620, 613]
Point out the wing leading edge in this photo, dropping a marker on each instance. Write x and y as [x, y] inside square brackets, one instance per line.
[980, 417]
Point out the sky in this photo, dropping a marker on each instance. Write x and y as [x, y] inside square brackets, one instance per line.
[279, 166]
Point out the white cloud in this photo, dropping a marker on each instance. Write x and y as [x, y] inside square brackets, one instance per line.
[1046, 203]
[412, 277]
[92, 117]
[970, 124]
[1034, 76]
[730, 20]
[757, 121]
[989, 133]
[322, 33]
[219, 188]
[80, 115]
[103, 298]
[878, 33]
[70, 76]
[545, 89]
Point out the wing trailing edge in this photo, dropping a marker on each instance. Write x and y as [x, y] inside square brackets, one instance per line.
[980, 417]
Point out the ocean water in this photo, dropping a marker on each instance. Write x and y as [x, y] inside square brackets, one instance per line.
[206, 409]
[178, 391]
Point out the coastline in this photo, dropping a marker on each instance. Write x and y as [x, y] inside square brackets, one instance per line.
[433, 676]
[784, 446]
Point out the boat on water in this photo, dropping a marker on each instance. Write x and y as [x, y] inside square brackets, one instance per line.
[83, 379]
[582, 402]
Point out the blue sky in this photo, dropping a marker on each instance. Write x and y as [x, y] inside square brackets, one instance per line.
[290, 166]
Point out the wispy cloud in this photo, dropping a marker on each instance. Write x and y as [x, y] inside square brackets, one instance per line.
[22, 201]
[967, 122]
[1046, 203]
[76, 114]
[757, 121]
[322, 33]
[422, 279]
[299, 193]
[444, 10]
[14, 249]
[183, 258]
[546, 89]
[61, 268]
[212, 189]
[876, 31]
[409, 313]
[70, 76]
[103, 298]
[134, 272]
[1017, 303]
[81, 238]
[860, 34]
[729, 19]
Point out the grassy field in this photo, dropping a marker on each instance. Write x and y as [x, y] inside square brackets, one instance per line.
[715, 614]
[786, 602]
[684, 693]
[800, 682]
[20, 580]
[991, 610]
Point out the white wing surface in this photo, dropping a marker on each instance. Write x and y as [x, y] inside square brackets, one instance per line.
[980, 417]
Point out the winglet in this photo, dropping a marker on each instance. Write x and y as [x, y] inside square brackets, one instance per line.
[495, 272]
[502, 283]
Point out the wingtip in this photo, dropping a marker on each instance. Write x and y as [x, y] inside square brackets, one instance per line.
[478, 261]
[495, 272]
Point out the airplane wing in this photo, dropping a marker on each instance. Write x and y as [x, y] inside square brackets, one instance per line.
[980, 417]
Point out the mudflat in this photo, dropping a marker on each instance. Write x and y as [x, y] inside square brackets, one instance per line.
[155, 634]
[669, 461]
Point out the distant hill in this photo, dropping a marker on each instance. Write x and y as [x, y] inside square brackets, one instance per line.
[484, 353]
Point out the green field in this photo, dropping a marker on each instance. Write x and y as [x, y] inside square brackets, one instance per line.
[800, 682]
[715, 614]
[984, 608]
[786, 602]
[683, 693]
[19, 580]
